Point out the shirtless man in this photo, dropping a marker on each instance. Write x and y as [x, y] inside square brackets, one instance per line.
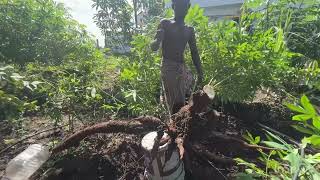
[174, 35]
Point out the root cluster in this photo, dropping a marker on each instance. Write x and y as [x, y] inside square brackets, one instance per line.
[200, 135]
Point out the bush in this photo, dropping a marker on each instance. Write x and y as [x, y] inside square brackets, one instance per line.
[13, 87]
[140, 79]
[47, 47]
[39, 31]
[239, 61]
[289, 161]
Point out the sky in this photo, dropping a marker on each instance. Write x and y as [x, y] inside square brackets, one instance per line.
[82, 11]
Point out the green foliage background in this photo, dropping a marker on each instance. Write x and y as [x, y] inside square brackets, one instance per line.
[40, 31]
[49, 66]
[44, 44]
[264, 49]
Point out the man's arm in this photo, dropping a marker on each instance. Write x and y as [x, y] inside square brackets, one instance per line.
[155, 45]
[195, 56]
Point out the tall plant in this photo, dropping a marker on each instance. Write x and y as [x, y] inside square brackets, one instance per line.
[38, 31]
[113, 17]
[238, 60]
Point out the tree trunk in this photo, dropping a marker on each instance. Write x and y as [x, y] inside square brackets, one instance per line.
[135, 9]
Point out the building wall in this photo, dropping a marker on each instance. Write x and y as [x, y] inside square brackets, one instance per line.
[222, 11]
[210, 3]
[216, 9]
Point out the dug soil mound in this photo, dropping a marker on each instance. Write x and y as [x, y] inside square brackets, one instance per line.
[112, 150]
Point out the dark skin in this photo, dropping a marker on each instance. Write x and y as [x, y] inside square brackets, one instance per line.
[174, 36]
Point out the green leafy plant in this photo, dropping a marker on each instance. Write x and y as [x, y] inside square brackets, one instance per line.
[113, 17]
[299, 20]
[289, 161]
[309, 120]
[40, 31]
[57, 69]
[242, 61]
[12, 87]
[140, 79]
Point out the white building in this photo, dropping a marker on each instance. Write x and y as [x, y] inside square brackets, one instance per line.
[218, 9]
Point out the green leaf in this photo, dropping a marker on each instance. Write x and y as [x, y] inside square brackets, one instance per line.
[275, 177]
[316, 122]
[277, 138]
[303, 129]
[275, 145]
[302, 117]
[132, 93]
[273, 164]
[107, 107]
[313, 159]
[244, 176]
[307, 105]
[280, 154]
[279, 42]
[293, 159]
[248, 136]
[257, 139]
[314, 139]
[295, 108]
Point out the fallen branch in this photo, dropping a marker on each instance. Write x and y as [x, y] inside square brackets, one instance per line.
[198, 103]
[135, 126]
[49, 134]
[28, 137]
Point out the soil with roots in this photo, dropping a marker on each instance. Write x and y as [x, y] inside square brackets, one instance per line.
[211, 140]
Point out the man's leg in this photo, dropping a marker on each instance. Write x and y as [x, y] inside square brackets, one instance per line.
[173, 81]
[180, 92]
[167, 86]
[189, 83]
[174, 90]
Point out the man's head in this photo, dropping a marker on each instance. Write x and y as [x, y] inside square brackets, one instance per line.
[180, 8]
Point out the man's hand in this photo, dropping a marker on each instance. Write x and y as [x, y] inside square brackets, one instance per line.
[160, 35]
[158, 39]
[199, 81]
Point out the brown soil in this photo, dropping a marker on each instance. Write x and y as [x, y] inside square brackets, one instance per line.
[111, 150]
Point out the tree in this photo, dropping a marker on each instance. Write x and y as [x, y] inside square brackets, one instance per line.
[37, 31]
[113, 17]
[152, 7]
[155, 7]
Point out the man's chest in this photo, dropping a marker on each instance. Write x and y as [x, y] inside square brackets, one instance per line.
[177, 33]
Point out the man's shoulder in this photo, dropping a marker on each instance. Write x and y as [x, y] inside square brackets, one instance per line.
[165, 22]
[190, 28]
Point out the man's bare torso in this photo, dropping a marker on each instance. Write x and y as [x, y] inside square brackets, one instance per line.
[176, 37]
